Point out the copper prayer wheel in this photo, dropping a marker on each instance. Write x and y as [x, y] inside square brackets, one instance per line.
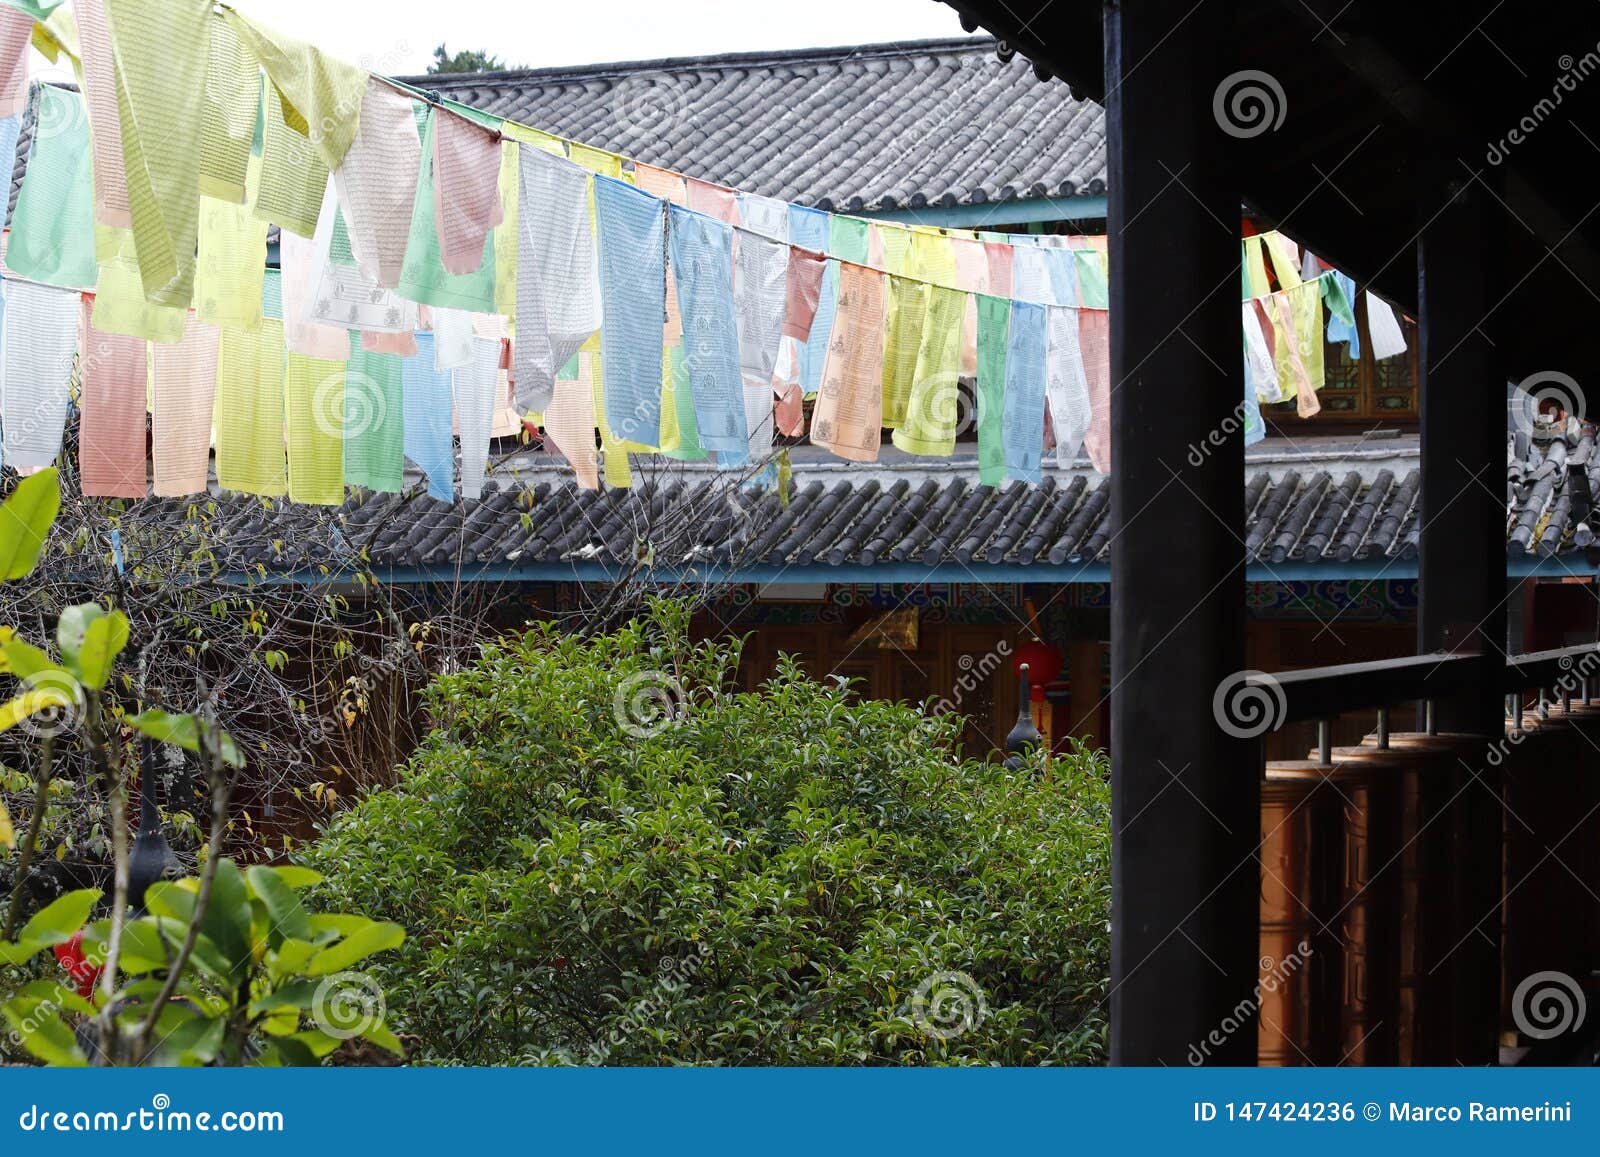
[1330, 884]
[1432, 776]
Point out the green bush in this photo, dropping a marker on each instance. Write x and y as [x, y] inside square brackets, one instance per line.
[604, 855]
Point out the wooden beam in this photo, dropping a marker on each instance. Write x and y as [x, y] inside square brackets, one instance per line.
[1185, 793]
[1461, 561]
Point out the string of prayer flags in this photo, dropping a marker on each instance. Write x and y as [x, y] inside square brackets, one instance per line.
[466, 175]
[39, 336]
[52, 230]
[183, 379]
[377, 207]
[849, 413]
[112, 397]
[1025, 391]
[161, 48]
[702, 263]
[250, 410]
[632, 243]
[428, 405]
[558, 279]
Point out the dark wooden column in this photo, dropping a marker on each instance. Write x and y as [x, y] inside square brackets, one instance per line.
[1185, 794]
[1462, 564]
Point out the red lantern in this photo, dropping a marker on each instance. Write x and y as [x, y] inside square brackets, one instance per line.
[71, 957]
[1044, 664]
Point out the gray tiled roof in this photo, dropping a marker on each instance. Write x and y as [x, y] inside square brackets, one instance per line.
[1315, 506]
[883, 126]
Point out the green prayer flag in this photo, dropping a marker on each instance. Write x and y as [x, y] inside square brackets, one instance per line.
[994, 323]
[688, 449]
[52, 230]
[374, 420]
[847, 239]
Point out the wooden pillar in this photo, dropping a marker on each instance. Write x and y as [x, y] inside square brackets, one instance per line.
[1462, 561]
[1184, 863]
[1083, 677]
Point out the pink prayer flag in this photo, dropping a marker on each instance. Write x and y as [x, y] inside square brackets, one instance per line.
[713, 201]
[466, 190]
[802, 291]
[184, 380]
[16, 28]
[999, 256]
[663, 183]
[111, 433]
[388, 343]
[1094, 339]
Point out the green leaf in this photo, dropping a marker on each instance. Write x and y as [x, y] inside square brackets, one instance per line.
[25, 520]
[43, 1033]
[8, 834]
[187, 1036]
[284, 912]
[227, 918]
[31, 703]
[72, 628]
[51, 992]
[102, 643]
[24, 660]
[290, 958]
[380, 1035]
[318, 1042]
[298, 995]
[181, 731]
[376, 936]
[59, 921]
[296, 876]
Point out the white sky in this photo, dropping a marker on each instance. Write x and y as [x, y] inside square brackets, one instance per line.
[398, 36]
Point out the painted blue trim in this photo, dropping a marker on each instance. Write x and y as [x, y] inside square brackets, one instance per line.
[992, 213]
[1041, 573]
